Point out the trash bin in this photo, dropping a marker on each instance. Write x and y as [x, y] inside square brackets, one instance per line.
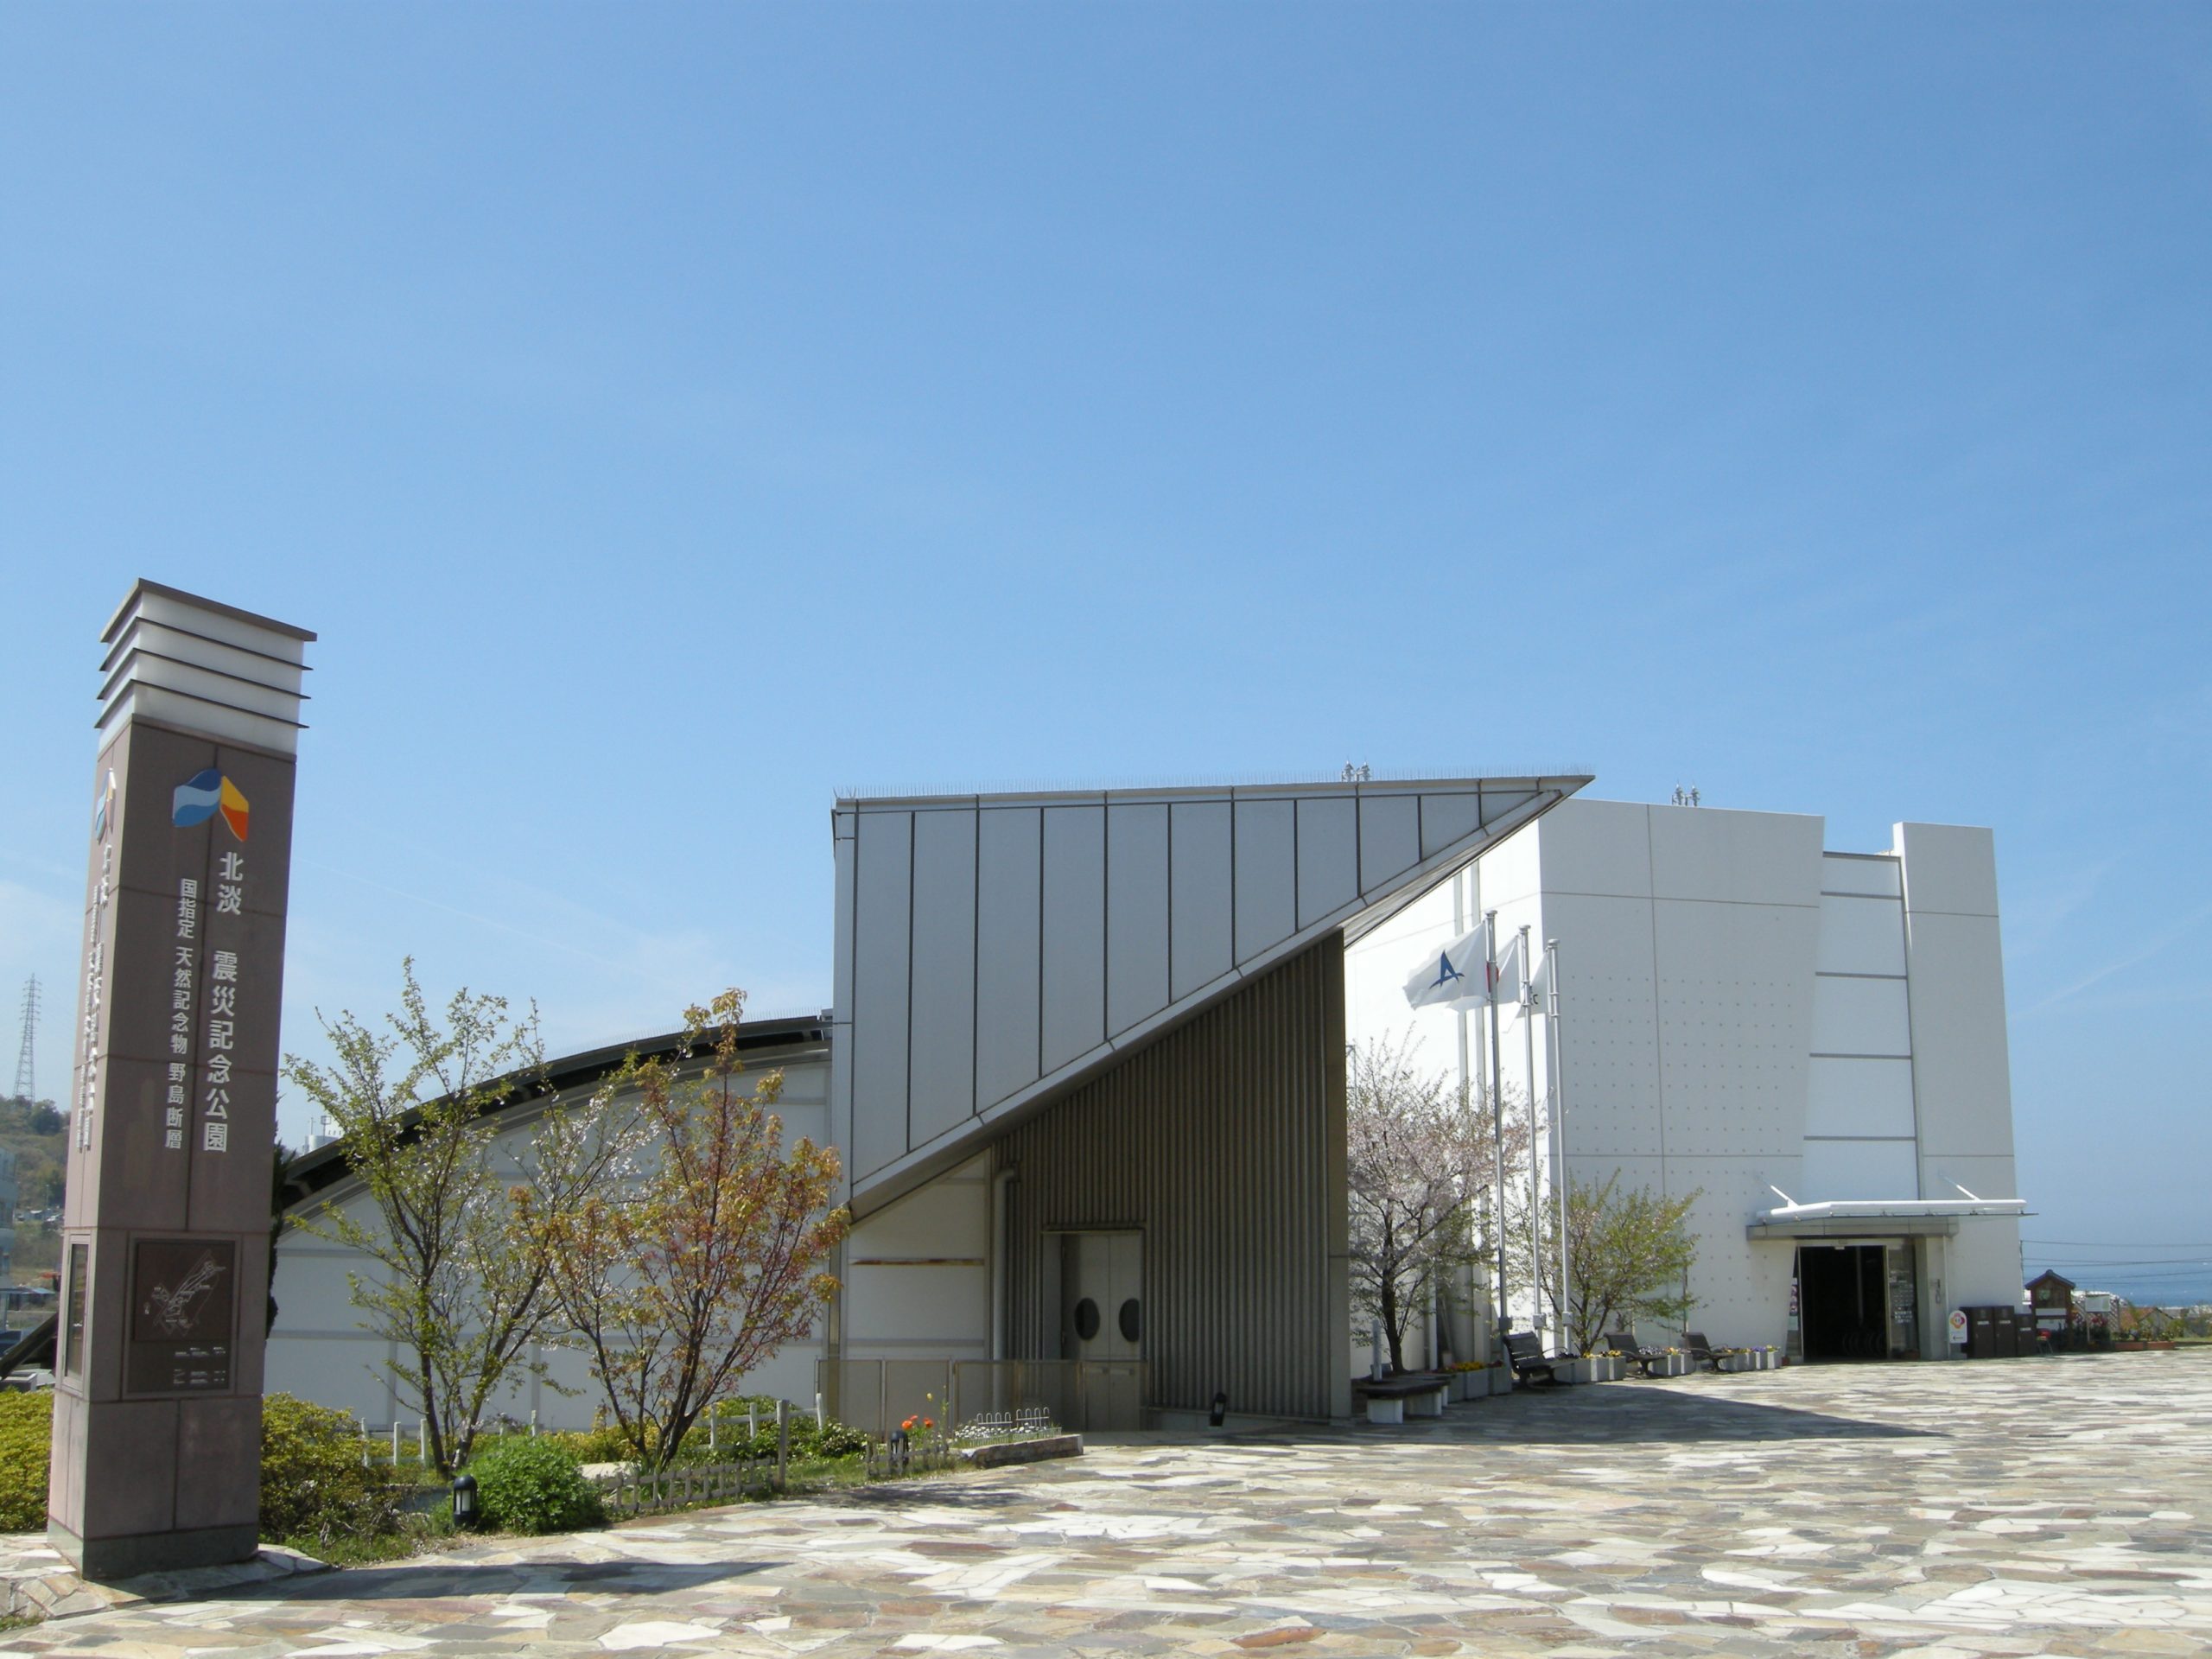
[2006, 1338]
[1981, 1333]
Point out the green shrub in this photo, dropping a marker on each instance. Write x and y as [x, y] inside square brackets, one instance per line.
[525, 1482]
[26, 1437]
[312, 1484]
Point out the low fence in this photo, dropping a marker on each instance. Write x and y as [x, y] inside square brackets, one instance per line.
[629, 1492]
[878, 1396]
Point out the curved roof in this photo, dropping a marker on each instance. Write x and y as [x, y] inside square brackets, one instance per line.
[315, 1172]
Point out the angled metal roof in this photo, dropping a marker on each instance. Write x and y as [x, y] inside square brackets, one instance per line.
[994, 950]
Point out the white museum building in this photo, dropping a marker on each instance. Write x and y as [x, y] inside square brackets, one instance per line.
[1086, 1069]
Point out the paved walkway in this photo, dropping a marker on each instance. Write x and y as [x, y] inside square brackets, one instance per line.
[2034, 1507]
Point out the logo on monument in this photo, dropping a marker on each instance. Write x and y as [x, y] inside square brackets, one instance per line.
[205, 794]
[103, 809]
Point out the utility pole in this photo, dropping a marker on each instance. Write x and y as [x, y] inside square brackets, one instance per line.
[1536, 1145]
[1497, 1118]
[1559, 1184]
[27, 1057]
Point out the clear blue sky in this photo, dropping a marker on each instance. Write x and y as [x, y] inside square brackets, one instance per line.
[668, 416]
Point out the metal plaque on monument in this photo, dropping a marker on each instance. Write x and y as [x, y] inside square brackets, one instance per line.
[157, 1461]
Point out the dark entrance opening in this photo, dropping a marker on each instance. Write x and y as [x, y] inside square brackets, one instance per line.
[1842, 1290]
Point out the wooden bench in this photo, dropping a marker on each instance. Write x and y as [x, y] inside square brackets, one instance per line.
[1423, 1393]
[1526, 1350]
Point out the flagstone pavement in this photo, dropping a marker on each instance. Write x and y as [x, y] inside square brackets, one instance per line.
[2008, 1508]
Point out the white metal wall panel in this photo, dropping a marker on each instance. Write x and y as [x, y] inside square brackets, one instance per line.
[1948, 868]
[942, 1044]
[1876, 877]
[1760, 858]
[882, 935]
[1090, 921]
[1609, 1019]
[1859, 1097]
[1328, 856]
[1961, 1067]
[1389, 838]
[1861, 935]
[1736, 1010]
[1006, 968]
[1266, 875]
[1601, 848]
[1842, 1170]
[1447, 816]
[1136, 913]
[1860, 1016]
[1074, 932]
[1202, 923]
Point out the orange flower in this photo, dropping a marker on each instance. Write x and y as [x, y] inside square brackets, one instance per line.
[908, 1425]
[928, 1422]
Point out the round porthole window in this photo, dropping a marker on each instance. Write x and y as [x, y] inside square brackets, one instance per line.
[1131, 1320]
[1086, 1318]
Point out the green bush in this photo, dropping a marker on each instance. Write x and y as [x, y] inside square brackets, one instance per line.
[524, 1483]
[312, 1484]
[26, 1435]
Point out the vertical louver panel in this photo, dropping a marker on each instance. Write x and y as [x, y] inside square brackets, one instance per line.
[1222, 1142]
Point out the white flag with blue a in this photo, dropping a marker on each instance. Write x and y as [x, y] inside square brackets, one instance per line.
[1451, 977]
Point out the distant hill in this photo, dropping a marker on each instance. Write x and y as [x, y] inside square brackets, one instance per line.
[37, 1133]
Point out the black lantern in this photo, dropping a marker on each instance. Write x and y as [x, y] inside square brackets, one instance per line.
[464, 1501]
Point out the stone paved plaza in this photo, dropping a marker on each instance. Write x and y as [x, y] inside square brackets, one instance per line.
[2028, 1507]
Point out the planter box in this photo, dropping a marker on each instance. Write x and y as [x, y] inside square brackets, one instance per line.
[1470, 1385]
[1577, 1370]
[1736, 1361]
[1501, 1379]
[995, 1454]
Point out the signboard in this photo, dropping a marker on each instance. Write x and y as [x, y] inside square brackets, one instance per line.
[156, 1406]
[183, 1315]
[1958, 1328]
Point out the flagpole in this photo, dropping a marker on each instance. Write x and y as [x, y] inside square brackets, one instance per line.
[1497, 1118]
[1535, 1148]
[1559, 1116]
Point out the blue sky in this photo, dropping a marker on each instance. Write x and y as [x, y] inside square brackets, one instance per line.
[668, 416]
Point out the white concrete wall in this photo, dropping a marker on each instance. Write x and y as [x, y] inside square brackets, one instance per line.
[1742, 1012]
[319, 1351]
[919, 1273]
[1962, 1071]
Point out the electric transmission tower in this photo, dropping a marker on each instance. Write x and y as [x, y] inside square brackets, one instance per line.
[27, 1058]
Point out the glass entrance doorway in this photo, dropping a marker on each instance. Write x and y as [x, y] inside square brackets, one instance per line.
[1855, 1301]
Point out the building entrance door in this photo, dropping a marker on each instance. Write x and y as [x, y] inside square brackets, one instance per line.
[1843, 1292]
[1101, 1326]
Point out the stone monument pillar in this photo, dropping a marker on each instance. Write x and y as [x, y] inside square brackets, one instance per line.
[172, 1113]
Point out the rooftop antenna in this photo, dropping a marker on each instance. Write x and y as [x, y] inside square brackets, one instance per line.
[27, 1055]
[1687, 797]
[1356, 774]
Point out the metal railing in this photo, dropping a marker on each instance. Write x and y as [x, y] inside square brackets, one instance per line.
[1088, 1396]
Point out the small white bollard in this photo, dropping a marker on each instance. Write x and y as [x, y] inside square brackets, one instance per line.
[533, 1424]
[818, 1424]
[423, 1441]
[395, 1442]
